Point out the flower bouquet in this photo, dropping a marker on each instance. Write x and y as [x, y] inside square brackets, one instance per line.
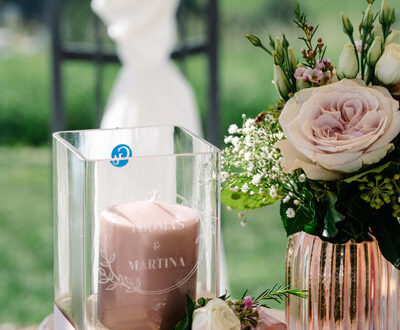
[329, 150]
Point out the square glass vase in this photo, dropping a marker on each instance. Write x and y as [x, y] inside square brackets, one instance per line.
[136, 222]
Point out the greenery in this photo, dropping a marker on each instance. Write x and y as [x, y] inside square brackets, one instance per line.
[345, 202]
[245, 308]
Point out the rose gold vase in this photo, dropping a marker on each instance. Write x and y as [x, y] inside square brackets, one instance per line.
[351, 286]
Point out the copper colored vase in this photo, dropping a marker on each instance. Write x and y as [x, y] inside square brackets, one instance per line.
[351, 286]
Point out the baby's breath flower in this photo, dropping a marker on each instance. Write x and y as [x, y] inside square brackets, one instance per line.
[256, 179]
[286, 199]
[224, 176]
[228, 139]
[302, 178]
[233, 129]
[296, 202]
[245, 188]
[272, 191]
[290, 213]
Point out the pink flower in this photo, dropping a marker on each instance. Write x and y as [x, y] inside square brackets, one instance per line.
[337, 129]
[247, 303]
[320, 65]
[358, 46]
[299, 74]
[314, 75]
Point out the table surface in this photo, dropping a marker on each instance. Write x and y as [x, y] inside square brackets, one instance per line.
[48, 322]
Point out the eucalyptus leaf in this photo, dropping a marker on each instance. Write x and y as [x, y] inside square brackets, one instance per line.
[242, 202]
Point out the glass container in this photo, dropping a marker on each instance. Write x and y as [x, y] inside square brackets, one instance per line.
[136, 221]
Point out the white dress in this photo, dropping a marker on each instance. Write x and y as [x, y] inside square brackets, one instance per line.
[149, 90]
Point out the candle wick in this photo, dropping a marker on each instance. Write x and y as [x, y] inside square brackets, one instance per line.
[155, 196]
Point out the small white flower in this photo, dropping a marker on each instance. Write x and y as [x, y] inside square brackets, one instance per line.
[275, 168]
[245, 188]
[228, 139]
[235, 140]
[302, 178]
[229, 208]
[272, 192]
[249, 122]
[290, 213]
[286, 199]
[250, 167]
[224, 176]
[274, 176]
[251, 193]
[236, 188]
[244, 116]
[398, 199]
[261, 191]
[296, 202]
[256, 179]
[246, 130]
[233, 129]
[247, 156]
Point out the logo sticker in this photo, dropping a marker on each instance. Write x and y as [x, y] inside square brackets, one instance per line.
[121, 151]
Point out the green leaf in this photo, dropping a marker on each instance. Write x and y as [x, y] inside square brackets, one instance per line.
[361, 176]
[332, 215]
[186, 322]
[302, 221]
[241, 202]
[387, 232]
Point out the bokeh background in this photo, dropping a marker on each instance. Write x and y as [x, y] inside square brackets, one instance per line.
[255, 253]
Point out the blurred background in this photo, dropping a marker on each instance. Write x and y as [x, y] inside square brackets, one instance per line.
[255, 253]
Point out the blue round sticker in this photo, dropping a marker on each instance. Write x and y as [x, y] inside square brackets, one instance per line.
[120, 151]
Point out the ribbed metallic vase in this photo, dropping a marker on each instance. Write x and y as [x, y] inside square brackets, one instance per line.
[351, 286]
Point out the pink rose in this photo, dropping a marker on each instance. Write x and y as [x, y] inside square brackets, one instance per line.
[337, 129]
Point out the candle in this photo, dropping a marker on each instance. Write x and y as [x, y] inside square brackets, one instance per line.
[147, 264]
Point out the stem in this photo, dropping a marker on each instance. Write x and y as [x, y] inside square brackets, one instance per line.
[263, 47]
[370, 75]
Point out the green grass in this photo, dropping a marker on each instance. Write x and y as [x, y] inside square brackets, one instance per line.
[25, 235]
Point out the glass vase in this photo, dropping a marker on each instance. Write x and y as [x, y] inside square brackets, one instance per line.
[351, 286]
[136, 218]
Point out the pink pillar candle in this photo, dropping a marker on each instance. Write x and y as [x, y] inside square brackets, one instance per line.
[147, 264]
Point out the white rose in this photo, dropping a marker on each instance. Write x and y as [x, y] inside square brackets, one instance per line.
[337, 129]
[216, 315]
[387, 69]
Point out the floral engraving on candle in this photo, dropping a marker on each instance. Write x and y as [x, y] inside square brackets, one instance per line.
[107, 276]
